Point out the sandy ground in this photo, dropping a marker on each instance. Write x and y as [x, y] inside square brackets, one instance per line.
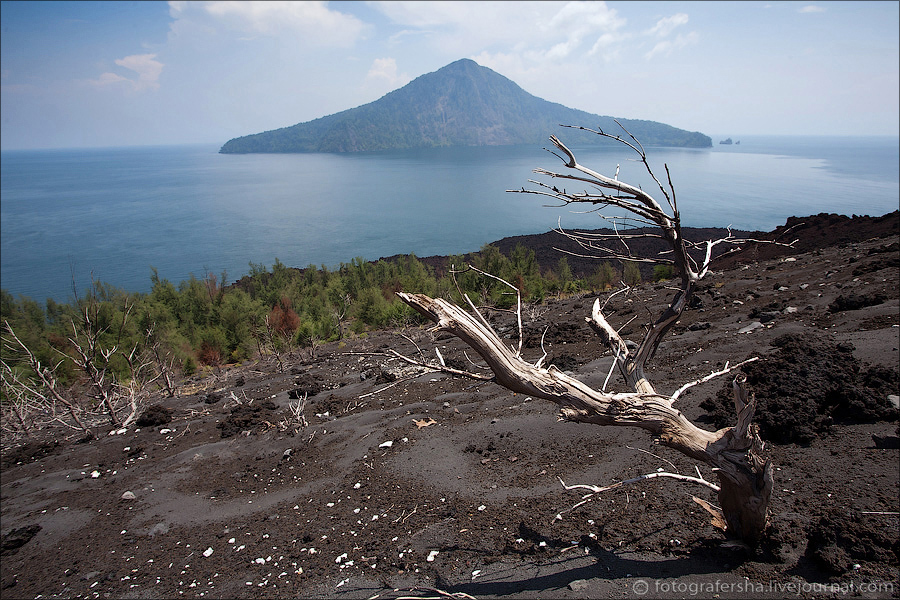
[418, 482]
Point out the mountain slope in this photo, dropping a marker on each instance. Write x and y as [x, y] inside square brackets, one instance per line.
[462, 104]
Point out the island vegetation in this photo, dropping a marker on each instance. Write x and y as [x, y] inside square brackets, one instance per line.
[461, 104]
[202, 323]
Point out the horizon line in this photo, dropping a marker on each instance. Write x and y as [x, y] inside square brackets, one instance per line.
[735, 136]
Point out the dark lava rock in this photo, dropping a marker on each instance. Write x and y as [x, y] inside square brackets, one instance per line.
[29, 452]
[808, 383]
[886, 442]
[307, 385]
[211, 398]
[839, 539]
[154, 415]
[17, 538]
[248, 417]
[855, 302]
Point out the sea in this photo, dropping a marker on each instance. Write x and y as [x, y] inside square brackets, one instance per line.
[70, 217]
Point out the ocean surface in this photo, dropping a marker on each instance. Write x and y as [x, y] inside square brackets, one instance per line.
[113, 214]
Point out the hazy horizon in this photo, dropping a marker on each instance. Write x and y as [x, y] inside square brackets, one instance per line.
[217, 144]
[119, 74]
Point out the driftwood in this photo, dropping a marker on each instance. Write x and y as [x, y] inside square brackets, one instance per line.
[745, 476]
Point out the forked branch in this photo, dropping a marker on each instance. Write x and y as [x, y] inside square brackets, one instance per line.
[745, 479]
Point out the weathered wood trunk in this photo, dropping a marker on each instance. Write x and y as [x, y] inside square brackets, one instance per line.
[746, 479]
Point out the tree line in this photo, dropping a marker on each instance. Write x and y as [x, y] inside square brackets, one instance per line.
[108, 346]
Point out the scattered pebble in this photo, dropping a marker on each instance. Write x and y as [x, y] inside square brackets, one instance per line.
[578, 585]
[752, 326]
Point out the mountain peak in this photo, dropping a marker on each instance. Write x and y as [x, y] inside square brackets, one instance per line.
[460, 104]
[462, 62]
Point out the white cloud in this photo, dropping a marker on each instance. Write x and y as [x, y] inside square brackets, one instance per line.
[429, 14]
[521, 40]
[146, 66]
[551, 30]
[663, 29]
[666, 25]
[108, 78]
[811, 8]
[608, 46]
[584, 21]
[666, 47]
[402, 36]
[314, 22]
[383, 73]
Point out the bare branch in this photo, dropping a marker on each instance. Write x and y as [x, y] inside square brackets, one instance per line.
[598, 489]
[746, 480]
[47, 378]
[712, 375]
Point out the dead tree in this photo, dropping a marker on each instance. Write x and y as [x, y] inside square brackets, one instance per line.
[745, 476]
[274, 341]
[21, 401]
[93, 358]
[165, 362]
[45, 390]
[141, 363]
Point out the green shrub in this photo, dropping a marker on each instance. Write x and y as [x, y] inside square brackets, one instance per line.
[631, 273]
[663, 272]
[189, 367]
[605, 277]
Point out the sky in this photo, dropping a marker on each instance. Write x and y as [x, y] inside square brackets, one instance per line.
[95, 74]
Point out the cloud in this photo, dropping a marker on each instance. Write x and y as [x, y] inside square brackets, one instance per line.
[383, 73]
[429, 14]
[663, 29]
[666, 25]
[811, 8]
[311, 22]
[550, 31]
[666, 47]
[109, 78]
[608, 46]
[146, 66]
[585, 21]
[405, 34]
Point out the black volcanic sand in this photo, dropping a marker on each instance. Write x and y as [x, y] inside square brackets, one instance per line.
[436, 482]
